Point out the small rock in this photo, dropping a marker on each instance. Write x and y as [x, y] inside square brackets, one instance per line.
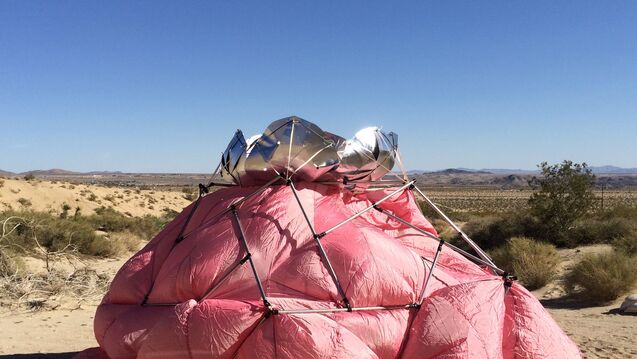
[629, 305]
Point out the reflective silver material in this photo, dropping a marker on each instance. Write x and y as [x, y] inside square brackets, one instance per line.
[370, 155]
[295, 148]
[232, 159]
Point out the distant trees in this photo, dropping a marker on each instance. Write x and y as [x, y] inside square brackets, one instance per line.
[562, 194]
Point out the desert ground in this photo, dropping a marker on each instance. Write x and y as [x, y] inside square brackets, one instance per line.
[65, 326]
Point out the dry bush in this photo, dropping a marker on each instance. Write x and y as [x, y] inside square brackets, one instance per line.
[10, 264]
[45, 291]
[445, 231]
[601, 278]
[116, 245]
[532, 261]
[627, 244]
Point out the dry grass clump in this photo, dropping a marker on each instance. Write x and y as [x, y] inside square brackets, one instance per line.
[532, 261]
[601, 278]
[10, 264]
[47, 290]
[114, 245]
[627, 244]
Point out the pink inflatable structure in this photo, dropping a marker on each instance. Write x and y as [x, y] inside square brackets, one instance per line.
[307, 253]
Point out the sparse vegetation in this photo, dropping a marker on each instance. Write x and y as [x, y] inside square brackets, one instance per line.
[189, 193]
[603, 277]
[29, 177]
[24, 202]
[65, 210]
[532, 261]
[626, 244]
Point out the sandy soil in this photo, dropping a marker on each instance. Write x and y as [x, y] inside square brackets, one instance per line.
[50, 196]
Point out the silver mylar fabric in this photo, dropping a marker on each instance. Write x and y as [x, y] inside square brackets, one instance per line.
[295, 148]
[232, 159]
[369, 156]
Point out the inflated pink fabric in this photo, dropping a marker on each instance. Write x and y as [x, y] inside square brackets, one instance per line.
[379, 262]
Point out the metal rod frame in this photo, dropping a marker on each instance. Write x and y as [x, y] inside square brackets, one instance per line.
[429, 235]
[466, 238]
[322, 252]
[356, 215]
[235, 204]
[335, 310]
[243, 241]
[431, 272]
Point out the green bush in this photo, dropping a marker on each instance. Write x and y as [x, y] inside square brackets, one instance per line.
[597, 230]
[601, 278]
[626, 244]
[533, 262]
[54, 234]
[494, 231]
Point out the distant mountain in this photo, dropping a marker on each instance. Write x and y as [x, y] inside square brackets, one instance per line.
[510, 171]
[517, 171]
[51, 172]
[460, 171]
[613, 170]
[449, 171]
[6, 173]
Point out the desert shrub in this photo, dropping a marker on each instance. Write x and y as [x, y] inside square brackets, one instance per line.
[24, 202]
[107, 219]
[92, 197]
[445, 231]
[105, 247]
[169, 213]
[1, 183]
[65, 210]
[532, 261]
[626, 244]
[29, 177]
[600, 278]
[60, 234]
[10, 264]
[597, 230]
[129, 242]
[494, 231]
[561, 195]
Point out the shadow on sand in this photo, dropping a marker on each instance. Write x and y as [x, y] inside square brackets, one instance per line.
[39, 356]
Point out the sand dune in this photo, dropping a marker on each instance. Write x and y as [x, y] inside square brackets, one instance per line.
[51, 196]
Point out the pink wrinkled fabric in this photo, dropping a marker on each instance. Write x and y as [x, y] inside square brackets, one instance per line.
[378, 261]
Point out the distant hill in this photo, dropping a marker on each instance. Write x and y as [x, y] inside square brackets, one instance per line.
[6, 173]
[613, 170]
[51, 172]
[517, 171]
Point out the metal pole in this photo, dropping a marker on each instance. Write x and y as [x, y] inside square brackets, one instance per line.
[242, 239]
[367, 209]
[334, 310]
[431, 271]
[322, 252]
[429, 235]
[235, 204]
[473, 245]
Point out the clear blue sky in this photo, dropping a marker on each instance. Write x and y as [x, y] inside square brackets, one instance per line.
[161, 86]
